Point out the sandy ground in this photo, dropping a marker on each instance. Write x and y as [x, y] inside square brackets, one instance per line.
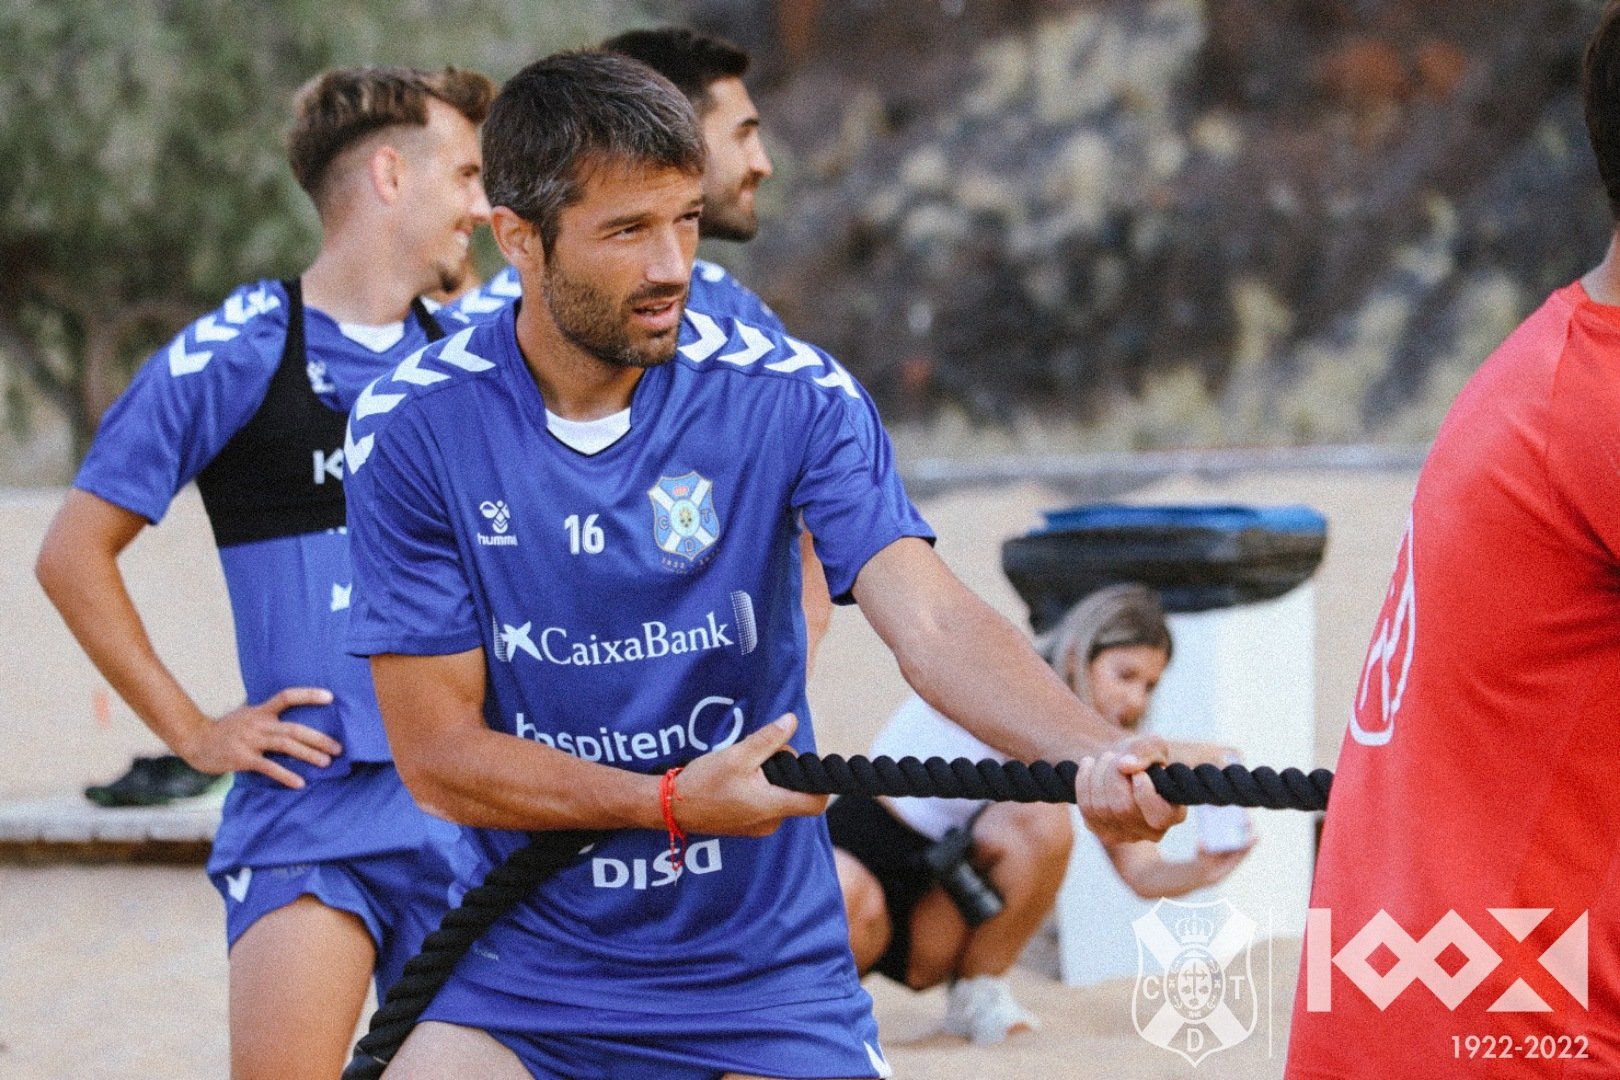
[119, 972]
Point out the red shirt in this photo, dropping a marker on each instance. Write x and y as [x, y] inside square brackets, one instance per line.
[1482, 766]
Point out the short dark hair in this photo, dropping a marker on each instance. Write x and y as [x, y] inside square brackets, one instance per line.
[560, 118]
[692, 61]
[338, 108]
[1600, 85]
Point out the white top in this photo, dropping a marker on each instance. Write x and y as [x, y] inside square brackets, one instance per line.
[376, 338]
[918, 730]
[589, 436]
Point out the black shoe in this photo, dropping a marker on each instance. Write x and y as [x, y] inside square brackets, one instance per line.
[152, 781]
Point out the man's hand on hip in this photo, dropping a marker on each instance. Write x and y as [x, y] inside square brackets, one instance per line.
[240, 740]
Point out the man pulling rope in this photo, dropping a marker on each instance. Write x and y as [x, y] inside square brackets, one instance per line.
[1038, 781]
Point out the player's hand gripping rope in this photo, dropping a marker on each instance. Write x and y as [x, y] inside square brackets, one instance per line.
[1012, 781]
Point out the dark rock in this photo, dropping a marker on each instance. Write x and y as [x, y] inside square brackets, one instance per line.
[1316, 208]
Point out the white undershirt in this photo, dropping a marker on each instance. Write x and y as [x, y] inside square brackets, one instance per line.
[376, 338]
[589, 436]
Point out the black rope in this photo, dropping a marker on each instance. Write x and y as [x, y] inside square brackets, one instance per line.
[426, 973]
[1042, 781]
[1012, 781]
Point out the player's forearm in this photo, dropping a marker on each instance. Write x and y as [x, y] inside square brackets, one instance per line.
[1169, 879]
[974, 666]
[491, 780]
[88, 591]
[1150, 876]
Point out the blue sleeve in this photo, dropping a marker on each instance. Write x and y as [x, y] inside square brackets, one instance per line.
[757, 311]
[848, 492]
[411, 593]
[489, 299]
[716, 292]
[185, 403]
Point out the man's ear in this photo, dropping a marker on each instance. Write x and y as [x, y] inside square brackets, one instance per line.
[518, 239]
[386, 168]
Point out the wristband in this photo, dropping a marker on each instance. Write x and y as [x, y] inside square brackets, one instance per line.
[667, 797]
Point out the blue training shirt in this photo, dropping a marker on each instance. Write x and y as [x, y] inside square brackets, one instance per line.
[290, 595]
[714, 291]
[636, 607]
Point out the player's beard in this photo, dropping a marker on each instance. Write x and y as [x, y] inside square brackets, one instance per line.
[450, 277]
[452, 267]
[728, 218]
[600, 324]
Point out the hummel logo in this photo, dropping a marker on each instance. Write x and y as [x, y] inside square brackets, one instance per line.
[497, 513]
[237, 886]
[318, 382]
[500, 519]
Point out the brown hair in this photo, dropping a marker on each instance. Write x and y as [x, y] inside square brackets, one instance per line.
[690, 60]
[338, 108]
[1110, 618]
[563, 116]
[1600, 89]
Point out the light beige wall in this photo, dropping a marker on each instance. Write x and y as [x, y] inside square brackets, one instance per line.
[53, 738]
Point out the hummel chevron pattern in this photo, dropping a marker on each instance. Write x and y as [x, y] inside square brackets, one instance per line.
[755, 345]
[803, 357]
[186, 363]
[839, 378]
[710, 337]
[208, 329]
[409, 371]
[356, 452]
[238, 310]
[455, 353]
[373, 402]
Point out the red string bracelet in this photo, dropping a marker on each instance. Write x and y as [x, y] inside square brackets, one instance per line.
[667, 797]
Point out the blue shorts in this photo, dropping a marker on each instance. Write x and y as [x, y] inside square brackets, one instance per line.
[806, 1040]
[399, 895]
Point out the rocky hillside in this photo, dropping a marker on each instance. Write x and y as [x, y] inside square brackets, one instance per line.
[1170, 222]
